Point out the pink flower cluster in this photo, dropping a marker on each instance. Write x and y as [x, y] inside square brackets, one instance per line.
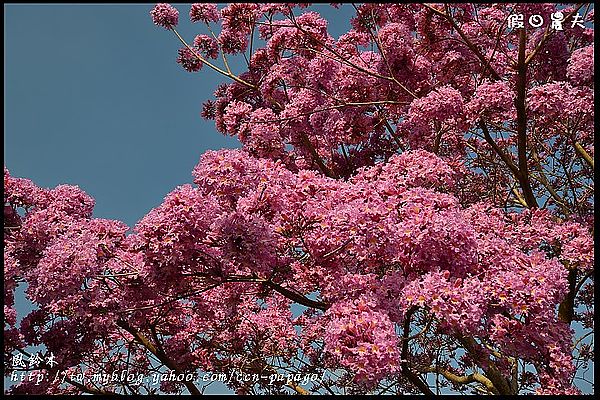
[494, 101]
[207, 46]
[165, 15]
[204, 12]
[362, 339]
[581, 66]
[189, 60]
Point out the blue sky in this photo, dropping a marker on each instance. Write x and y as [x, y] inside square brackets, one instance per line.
[94, 97]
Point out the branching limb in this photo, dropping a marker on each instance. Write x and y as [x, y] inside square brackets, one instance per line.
[466, 40]
[501, 384]
[211, 65]
[144, 341]
[488, 138]
[584, 154]
[313, 152]
[465, 379]
[522, 123]
[410, 375]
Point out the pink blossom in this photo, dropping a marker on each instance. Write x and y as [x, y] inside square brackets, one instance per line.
[363, 339]
[207, 46]
[189, 60]
[165, 15]
[493, 100]
[581, 66]
[205, 12]
[236, 114]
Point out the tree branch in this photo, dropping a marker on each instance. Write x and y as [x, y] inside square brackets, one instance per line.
[565, 309]
[583, 279]
[313, 152]
[297, 297]
[501, 384]
[89, 390]
[158, 353]
[584, 154]
[466, 40]
[410, 375]
[290, 294]
[523, 176]
[498, 150]
[465, 379]
[297, 388]
[347, 62]
[214, 67]
[547, 35]
[544, 181]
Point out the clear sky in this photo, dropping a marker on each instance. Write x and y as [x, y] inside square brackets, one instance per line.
[94, 97]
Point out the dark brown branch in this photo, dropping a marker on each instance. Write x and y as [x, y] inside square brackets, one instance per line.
[158, 353]
[337, 249]
[290, 294]
[566, 307]
[466, 40]
[393, 134]
[488, 138]
[313, 152]
[297, 297]
[522, 123]
[583, 279]
[410, 375]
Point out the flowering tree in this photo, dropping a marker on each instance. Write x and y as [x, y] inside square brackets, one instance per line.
[411, 212]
